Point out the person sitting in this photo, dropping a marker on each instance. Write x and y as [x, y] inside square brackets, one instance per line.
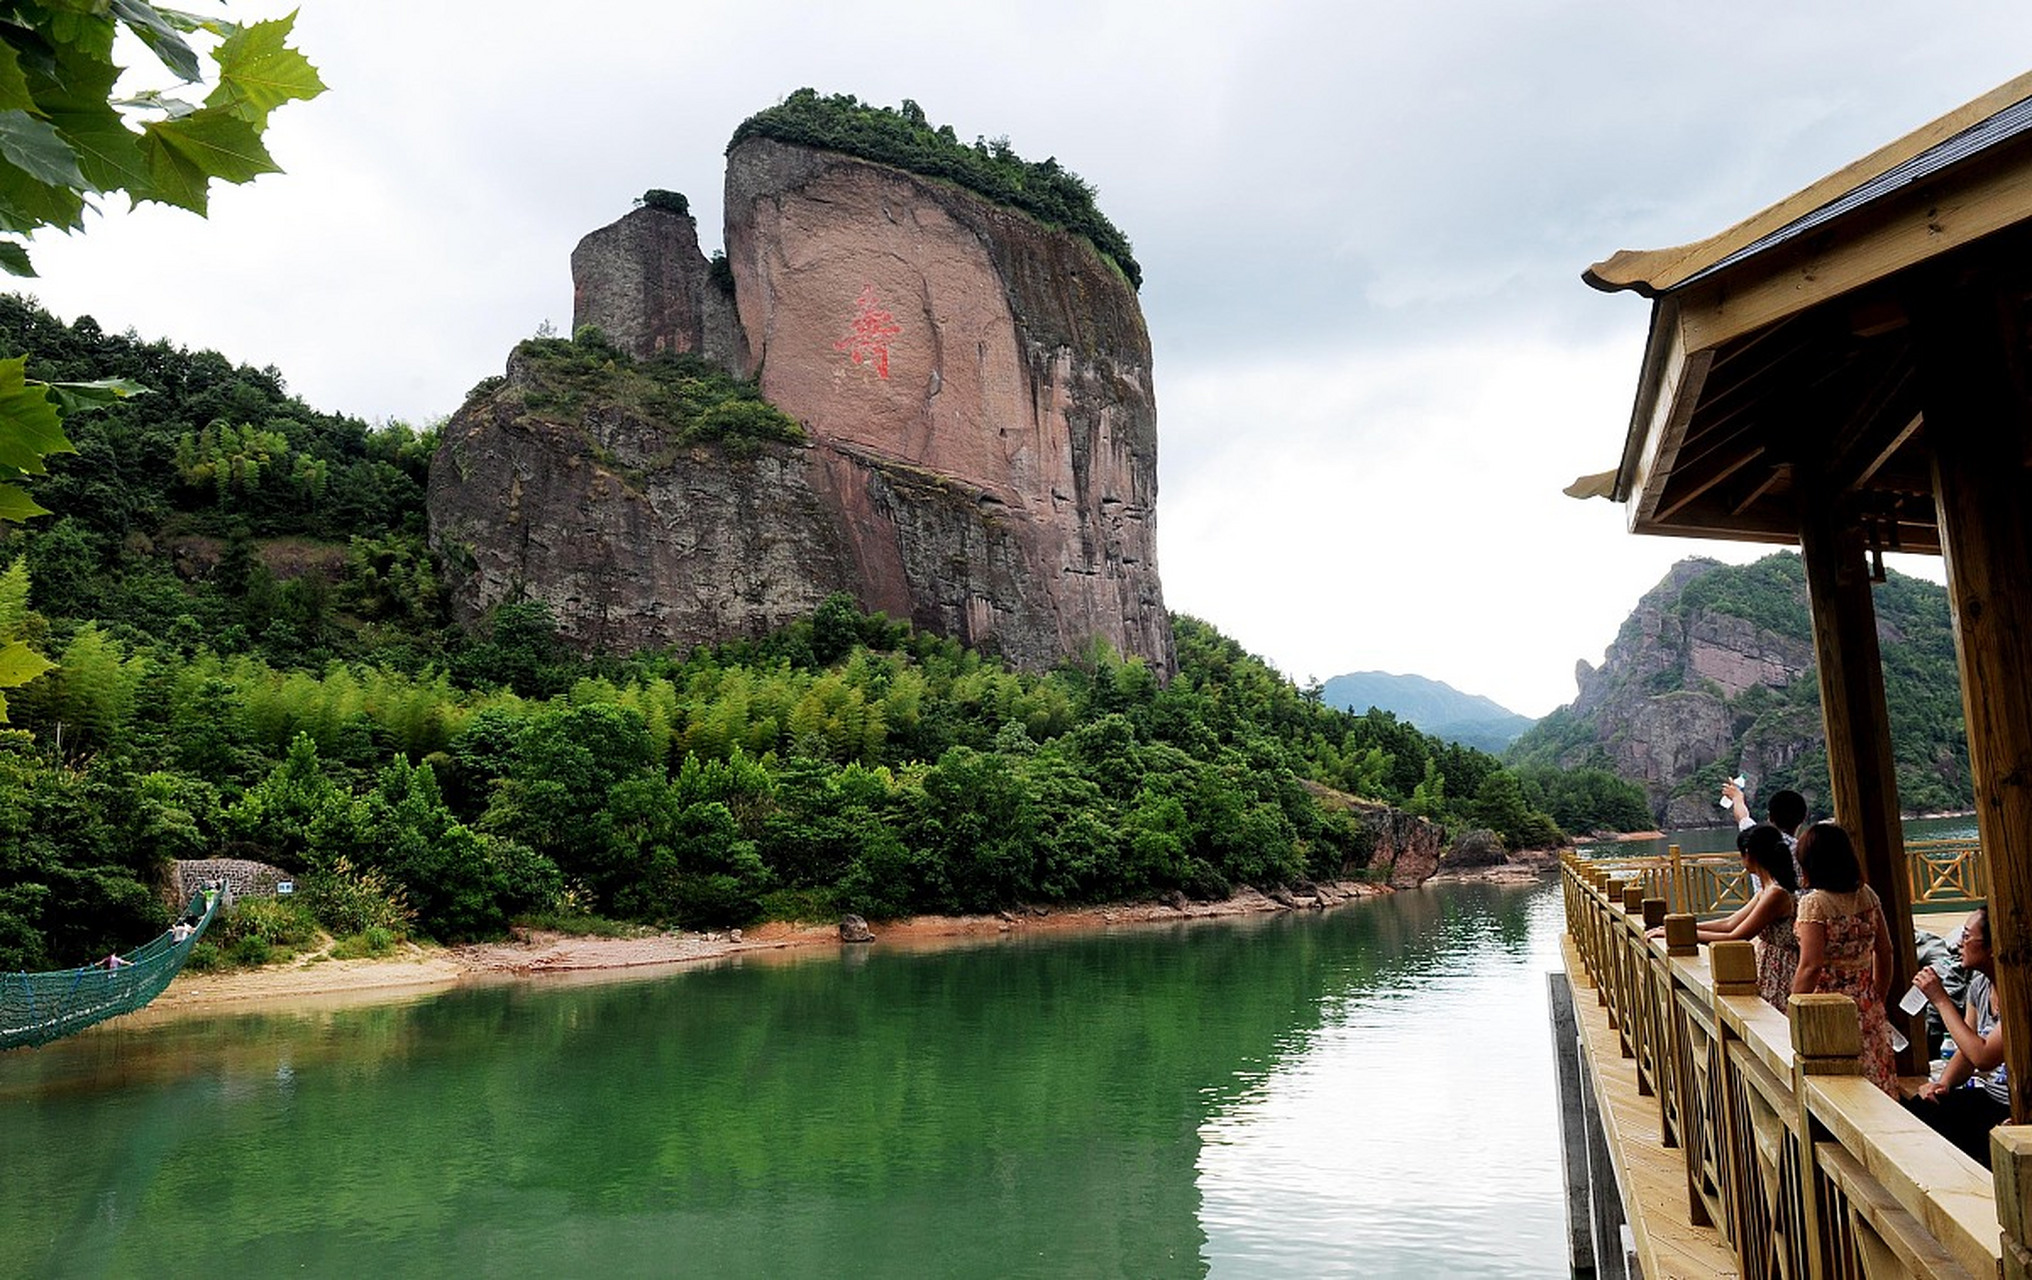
[1934, 953]
[1844, 945]
[1973, 1095]
[1766, 918]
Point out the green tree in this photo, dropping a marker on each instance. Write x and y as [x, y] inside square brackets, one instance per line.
[64, 139]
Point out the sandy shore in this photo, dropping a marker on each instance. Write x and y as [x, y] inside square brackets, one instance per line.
[417, 969]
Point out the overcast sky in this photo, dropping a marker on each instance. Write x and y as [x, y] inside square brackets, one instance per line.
[1361, 229]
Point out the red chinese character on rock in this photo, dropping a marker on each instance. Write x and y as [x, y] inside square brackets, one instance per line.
[868, 342]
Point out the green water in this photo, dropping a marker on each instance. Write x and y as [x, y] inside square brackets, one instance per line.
[1723, 839]
[1365, 1092]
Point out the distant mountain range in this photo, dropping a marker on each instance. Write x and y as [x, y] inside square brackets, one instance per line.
[1434, 706]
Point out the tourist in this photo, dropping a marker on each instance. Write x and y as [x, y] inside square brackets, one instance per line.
[113, 961]
[1844, 946]
[1766, 918]
[180, 930]
[1973, 1095]
[1786, 811]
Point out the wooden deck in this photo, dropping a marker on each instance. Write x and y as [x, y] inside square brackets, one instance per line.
[1652, 1175]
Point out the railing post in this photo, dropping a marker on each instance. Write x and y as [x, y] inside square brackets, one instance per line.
[1733, 965]
[1633, 898]
[1682, 935]
[1827, 1040]
[1654, 913]
[1675, 884]
[1827, 1034]
[2011, 1166]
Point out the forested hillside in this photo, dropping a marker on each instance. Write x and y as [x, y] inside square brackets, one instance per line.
[1713, 674]
[253, 661]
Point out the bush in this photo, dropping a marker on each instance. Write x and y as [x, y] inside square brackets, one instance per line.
[1045, 190]
[368, 943]
[349, 901]
[670, 201]
[254, 932]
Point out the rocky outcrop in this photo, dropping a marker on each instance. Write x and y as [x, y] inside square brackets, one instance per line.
[977, 391]
[1713, 674]
[1669, 699]
[1475, 849]
[645, 284]
[1405, 849]
[979, 387]
[632, 539]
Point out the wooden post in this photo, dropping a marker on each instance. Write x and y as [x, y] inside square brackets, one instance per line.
[1734, 968]
[1968, 358]
[1827, 1035]
[1675, 891]
[1654, 912]
[1681, 935]
[1860, 766]
[1633, 898]
[2011, 1166]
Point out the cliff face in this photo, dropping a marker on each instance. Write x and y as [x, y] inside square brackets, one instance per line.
[633, 538]
[1662, 706]
[979, 388]
[977, 392]
[1713, 674]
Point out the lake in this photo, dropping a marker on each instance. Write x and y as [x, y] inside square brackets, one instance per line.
[1363, 1092]
[1723, 839]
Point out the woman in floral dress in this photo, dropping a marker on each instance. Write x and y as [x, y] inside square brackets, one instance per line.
[1844, 946]
[1766, 918]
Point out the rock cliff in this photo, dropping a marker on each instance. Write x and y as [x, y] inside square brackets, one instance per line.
[632, 535]
[975, 388]
[645, 284]
[1713, 674]
[979, 388]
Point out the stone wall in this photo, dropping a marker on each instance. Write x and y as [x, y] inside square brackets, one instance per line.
[241, 877]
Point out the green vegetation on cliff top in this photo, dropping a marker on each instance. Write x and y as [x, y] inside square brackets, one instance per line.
[701, 400]
[904, 138]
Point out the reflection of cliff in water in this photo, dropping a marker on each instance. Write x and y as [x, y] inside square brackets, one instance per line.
[970, 1109]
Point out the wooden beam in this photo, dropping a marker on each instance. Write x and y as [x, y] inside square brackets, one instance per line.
[1860, 765]
[1696, 488]
[1967, 342]
[1757, 491]
[1899, 231]
[1667, 391]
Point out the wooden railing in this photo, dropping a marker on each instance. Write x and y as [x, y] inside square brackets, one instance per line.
[1802, 1165]
[1943, 874]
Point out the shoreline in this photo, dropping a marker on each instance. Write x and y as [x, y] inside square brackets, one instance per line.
[417, 970]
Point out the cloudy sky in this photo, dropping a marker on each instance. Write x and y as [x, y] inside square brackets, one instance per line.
[1361, 227]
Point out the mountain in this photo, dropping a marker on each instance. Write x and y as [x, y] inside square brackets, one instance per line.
[969, 439]
[1433, 705]
[1713, 674]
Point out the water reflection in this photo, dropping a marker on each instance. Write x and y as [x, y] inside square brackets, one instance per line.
[1365, 1092]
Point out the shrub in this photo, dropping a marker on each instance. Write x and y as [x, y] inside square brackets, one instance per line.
[670, 201]
[904, 138]
[254, 932]
[350, 901]
[369, 942]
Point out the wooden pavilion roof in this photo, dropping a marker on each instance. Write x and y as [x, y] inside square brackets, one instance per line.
[1784, 341]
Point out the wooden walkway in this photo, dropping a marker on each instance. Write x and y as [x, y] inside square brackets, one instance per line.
[1652, 1175]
